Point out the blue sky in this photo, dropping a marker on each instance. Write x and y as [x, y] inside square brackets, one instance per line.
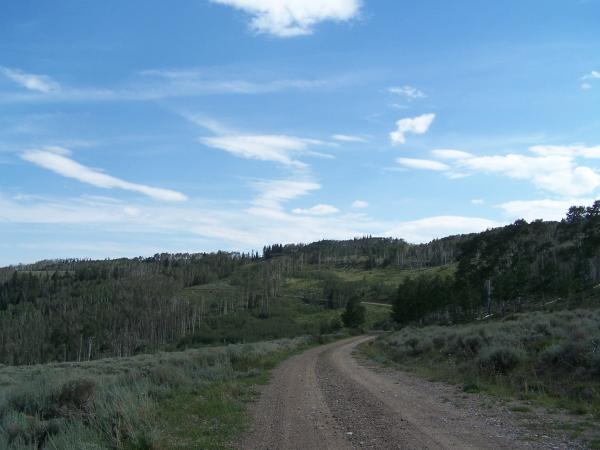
[134, 127]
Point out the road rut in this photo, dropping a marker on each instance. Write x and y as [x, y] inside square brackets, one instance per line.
[325, 399]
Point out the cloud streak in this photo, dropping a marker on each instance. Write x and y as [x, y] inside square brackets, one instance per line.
[425, 164]
[235, 228]
[151, 85]
[348, 138]
[278, 148]
[317, 210]
[55, 160]
[550, 168]
[281, 149]
[29, 81]
[409, 92]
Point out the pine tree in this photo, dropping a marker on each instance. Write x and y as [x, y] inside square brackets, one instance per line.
[354, 314]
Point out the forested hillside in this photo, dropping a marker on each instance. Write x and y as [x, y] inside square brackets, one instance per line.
[74, 310]
[508, 268]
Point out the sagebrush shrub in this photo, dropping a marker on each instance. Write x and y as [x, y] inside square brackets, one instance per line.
[500, 360]
[77, 394]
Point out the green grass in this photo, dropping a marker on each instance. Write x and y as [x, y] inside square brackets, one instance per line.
[213, 415]
[391, 275]
[377, 315]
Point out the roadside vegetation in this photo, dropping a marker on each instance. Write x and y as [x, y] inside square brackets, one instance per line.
[195, 399]
[549, 359]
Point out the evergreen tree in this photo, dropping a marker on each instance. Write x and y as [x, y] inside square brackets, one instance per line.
[354, 314]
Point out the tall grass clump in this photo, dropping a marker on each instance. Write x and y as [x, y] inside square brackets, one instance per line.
[552, 357]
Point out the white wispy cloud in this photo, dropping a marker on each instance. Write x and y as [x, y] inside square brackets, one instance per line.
[30, 81]
[288, 18]
[407, 91]
[348, 138]
[567, 150]
[398, 106]
[234, 228]
[276, 148]
[279, 148]
[450, 154]
[56, 160]
[552, 168]
[274, 192]
[426, 164]
[414, 125]
[317, 210]
[360, 204]
[477, 201]
[546, 209]
[151, 85]
[185, 82]
[557, 174]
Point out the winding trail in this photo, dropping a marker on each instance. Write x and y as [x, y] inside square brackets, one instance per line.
[325, 399]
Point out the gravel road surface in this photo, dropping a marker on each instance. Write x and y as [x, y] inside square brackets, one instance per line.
[325, 399]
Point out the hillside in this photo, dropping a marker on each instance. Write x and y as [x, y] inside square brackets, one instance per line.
[75, 310]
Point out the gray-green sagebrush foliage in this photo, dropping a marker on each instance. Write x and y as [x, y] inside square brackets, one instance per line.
[114, 403]
[549, 355]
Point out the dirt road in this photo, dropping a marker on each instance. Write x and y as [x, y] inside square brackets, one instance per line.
[325, 399]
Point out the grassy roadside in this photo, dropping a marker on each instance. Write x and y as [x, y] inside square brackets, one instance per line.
[195, 399]
[540, 359]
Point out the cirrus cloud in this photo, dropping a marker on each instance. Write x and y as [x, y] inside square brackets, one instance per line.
[56, 160]
[425, 164]
[317, 210]
[30, 81]
[407, 91]
[348, 138]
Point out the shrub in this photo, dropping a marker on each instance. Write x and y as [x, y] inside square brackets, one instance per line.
[74, 436]
[336, 324]
[119, 412]
[500, 360]
[168, 374]
[566, 356]
[77, 394]
[439, 341]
